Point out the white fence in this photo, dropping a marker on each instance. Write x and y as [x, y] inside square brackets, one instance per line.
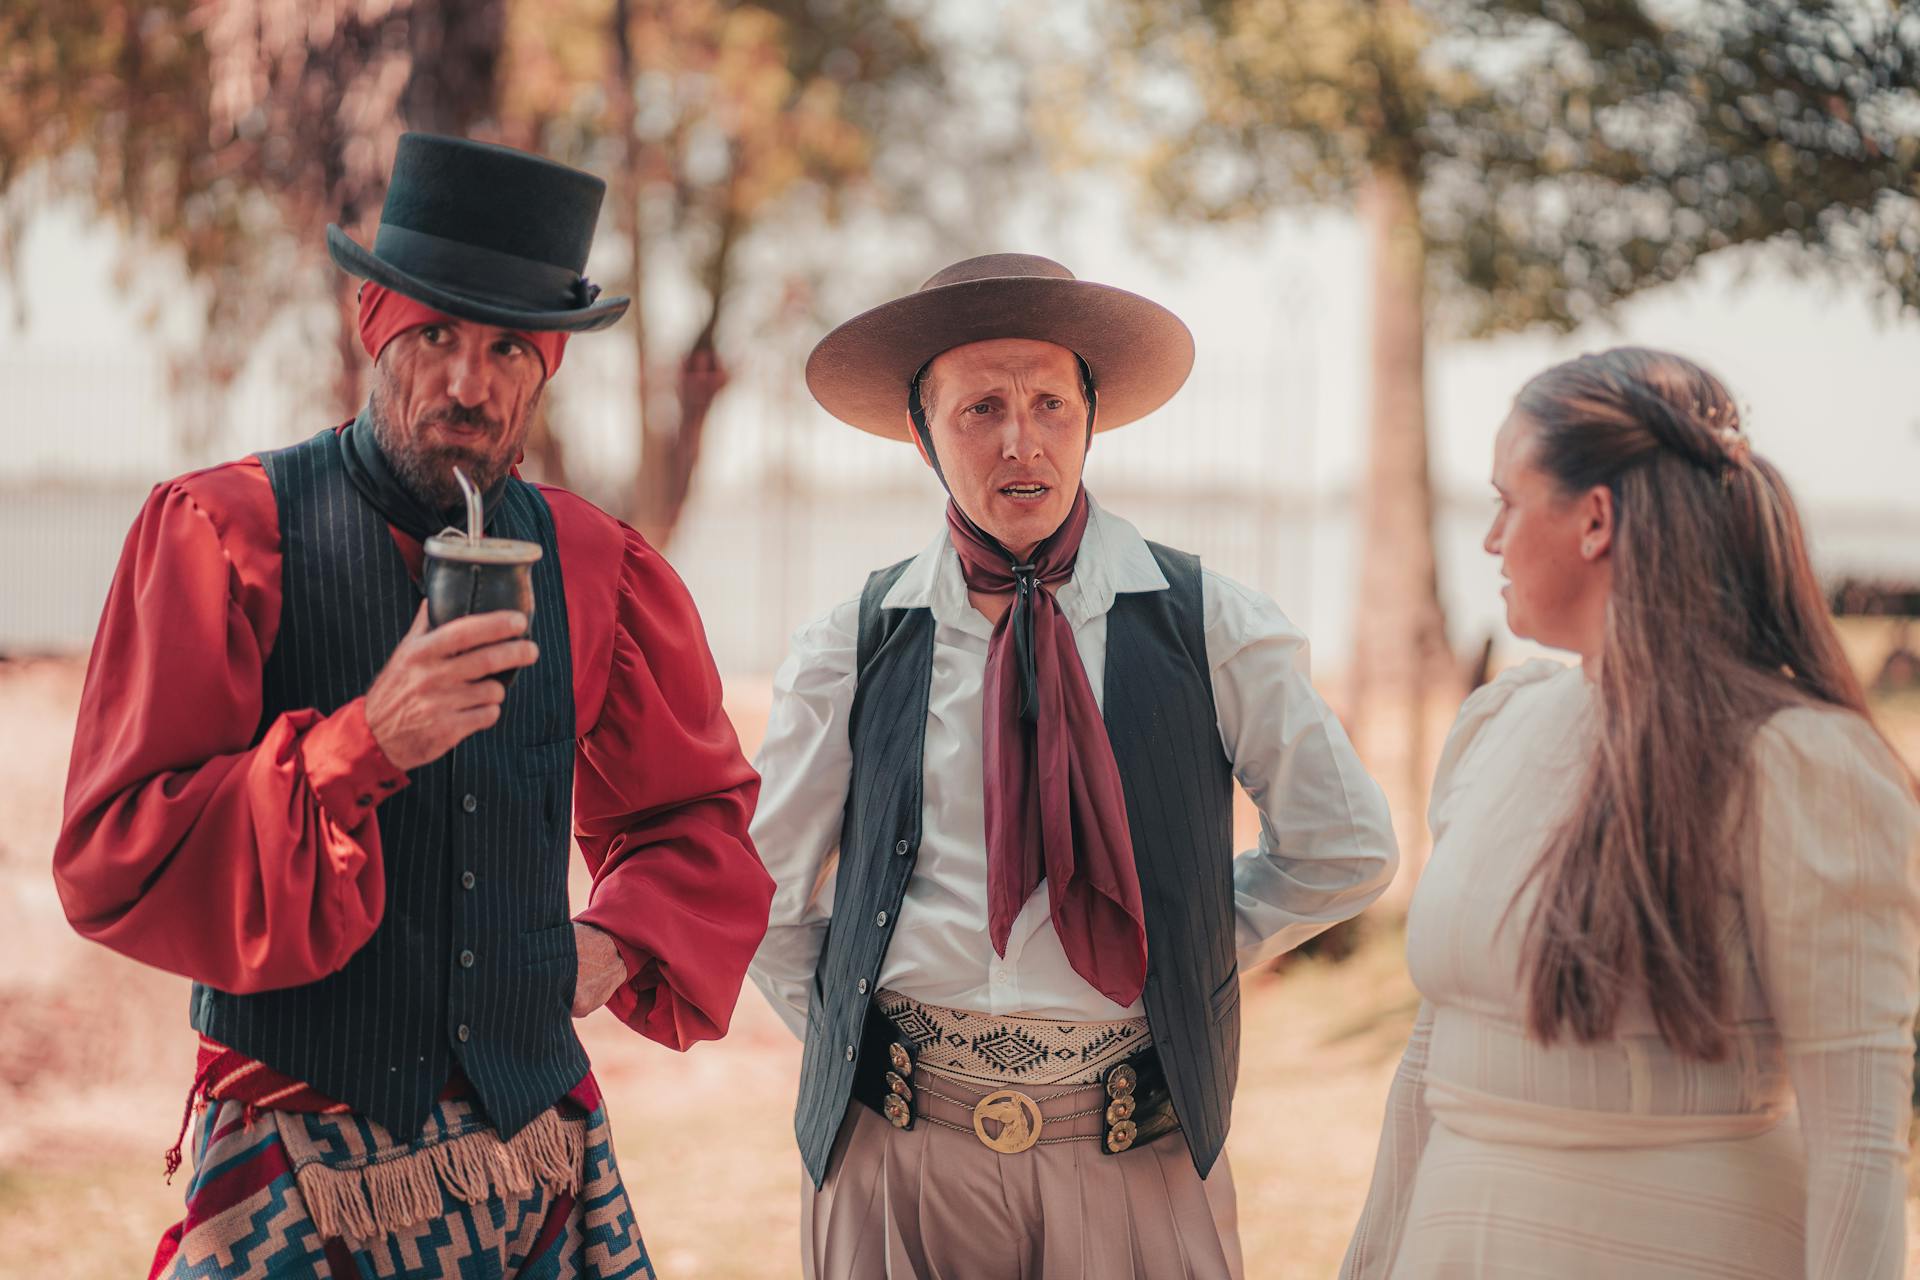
[790, 509]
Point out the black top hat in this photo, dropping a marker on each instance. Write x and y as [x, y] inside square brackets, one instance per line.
[486, 233]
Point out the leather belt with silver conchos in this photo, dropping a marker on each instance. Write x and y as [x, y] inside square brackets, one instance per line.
[1139, 1107]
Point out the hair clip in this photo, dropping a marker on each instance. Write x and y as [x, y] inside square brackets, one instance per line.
[1738, 448]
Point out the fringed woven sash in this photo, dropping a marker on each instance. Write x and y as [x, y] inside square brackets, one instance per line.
[359, 1183]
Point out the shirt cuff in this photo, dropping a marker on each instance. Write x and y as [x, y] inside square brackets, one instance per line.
[629, 956]
[345, 766]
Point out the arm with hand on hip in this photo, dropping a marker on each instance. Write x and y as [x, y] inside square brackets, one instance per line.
[806, 762]
[601, 970]
[1326, 848]
[662, 797]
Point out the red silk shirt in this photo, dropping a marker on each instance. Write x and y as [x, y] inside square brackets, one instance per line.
[250, 866]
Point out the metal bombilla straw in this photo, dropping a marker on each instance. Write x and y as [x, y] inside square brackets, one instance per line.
[476, 523]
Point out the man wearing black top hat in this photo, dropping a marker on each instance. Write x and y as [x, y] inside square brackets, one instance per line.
[998, 805]
[354, 839]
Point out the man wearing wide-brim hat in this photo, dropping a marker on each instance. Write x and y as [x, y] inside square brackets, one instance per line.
[354, 838]
[1019, 988]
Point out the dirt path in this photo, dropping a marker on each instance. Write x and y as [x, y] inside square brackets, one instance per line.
[705, 1138]
[95, 1058]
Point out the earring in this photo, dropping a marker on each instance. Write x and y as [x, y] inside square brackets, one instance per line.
[1586, 548]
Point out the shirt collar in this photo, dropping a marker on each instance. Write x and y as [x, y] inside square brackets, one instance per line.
[1113, 558]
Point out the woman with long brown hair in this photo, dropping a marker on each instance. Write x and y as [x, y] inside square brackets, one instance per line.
[1675, 889]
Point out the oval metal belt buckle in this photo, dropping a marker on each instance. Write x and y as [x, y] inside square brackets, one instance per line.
[1018, 1117]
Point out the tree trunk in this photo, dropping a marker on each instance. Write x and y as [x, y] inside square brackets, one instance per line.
[455, 45]
[625, 188]
[670, 453]
[1401, 665]
[452, 86]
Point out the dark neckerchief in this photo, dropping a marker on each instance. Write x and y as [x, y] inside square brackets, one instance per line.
[989, 567]
[367, 468]
[1055, 809]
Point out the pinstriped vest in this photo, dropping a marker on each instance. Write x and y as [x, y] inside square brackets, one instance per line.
[1158, 706]
[473, 961]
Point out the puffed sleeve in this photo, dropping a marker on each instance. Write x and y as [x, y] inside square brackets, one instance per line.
[1833, 911]
[192, 840]
[1481, 708]
[807, 761]
[662, 798]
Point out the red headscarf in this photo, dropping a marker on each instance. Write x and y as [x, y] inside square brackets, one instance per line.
[385, 315]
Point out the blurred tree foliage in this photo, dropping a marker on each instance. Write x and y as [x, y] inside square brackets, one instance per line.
[1568, 153]
[233, 131]
[719, 121]
[1518, 163]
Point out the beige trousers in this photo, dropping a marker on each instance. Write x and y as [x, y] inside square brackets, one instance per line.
[932, 1203]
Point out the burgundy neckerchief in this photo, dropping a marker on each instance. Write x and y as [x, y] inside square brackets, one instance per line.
[1053, 799]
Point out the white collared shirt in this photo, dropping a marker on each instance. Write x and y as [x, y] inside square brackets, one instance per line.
[1326, 843]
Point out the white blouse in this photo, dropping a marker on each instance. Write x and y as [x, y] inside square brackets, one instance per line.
[1823, 946]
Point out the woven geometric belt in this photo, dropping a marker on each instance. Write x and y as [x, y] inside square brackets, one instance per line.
[1001, 1049]
[913, 1054]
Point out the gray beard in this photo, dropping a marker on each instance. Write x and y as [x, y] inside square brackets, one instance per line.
[428, 473]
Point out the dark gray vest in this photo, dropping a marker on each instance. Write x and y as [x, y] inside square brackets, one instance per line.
[1158, 705]
[473, 961]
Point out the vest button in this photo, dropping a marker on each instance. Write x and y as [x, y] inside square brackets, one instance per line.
[881, 919]
[469, 802]
[900, 847]
[849, 1049]
[464, 1033]
[466, 879]
[861, 986]
[466, 959]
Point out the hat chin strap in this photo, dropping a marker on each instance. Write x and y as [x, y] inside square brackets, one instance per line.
[924, 432]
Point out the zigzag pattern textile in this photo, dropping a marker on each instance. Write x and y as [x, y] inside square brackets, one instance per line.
[247, 1219]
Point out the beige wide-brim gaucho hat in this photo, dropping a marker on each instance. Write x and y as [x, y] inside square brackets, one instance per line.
[1140, 353]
